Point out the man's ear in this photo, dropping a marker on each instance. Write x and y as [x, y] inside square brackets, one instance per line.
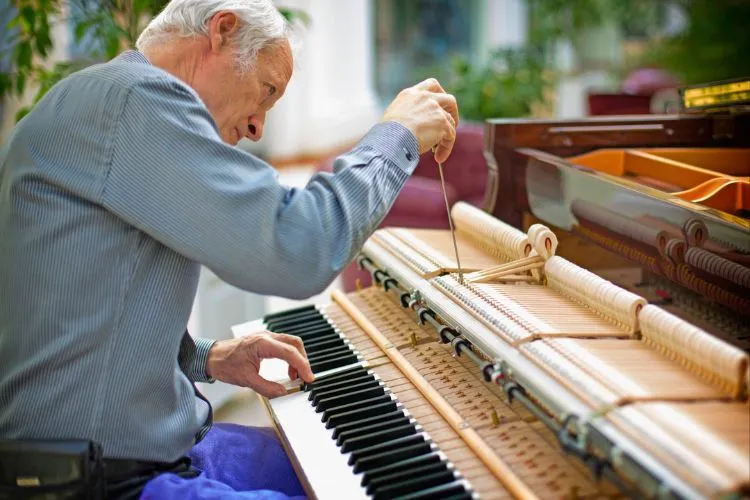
[221, 27]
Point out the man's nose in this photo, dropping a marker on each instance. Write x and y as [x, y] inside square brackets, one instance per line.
[255, 127]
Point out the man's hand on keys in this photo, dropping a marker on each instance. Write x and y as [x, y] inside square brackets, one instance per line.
[237, 361]
[430, 113]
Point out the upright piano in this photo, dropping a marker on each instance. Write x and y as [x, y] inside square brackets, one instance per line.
[596, 345]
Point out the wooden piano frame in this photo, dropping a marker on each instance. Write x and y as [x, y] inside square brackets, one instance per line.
[504, 137]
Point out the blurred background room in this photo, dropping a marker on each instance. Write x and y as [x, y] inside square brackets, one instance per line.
[501, 58]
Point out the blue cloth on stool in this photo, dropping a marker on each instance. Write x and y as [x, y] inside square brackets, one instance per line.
[236, 462]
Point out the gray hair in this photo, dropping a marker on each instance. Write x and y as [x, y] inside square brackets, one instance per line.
[261, 25]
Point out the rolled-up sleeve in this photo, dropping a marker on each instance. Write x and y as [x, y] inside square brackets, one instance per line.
[173, 178]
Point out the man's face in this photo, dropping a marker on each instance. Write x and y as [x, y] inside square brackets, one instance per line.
[239, 101]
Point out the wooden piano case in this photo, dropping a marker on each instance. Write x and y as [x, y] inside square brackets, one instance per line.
[659, 204]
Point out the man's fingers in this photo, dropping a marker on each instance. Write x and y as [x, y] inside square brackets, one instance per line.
[295, 342]
[273, 348]
[430, 84]
[449, 104]
[265, 387]
[292, 340]
[445, 146]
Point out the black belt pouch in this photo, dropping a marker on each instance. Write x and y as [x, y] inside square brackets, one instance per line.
[46, 470]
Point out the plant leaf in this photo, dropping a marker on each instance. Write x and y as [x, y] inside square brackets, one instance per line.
[28, 18]
[23, 55]
[22, 112]
[20, 82]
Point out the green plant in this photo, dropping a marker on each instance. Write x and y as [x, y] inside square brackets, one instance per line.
[514, 82]
[553, 20]
[104, 27]
[508, 85]
[715, 44]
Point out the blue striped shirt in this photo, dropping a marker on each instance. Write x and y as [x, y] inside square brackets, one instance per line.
[113, 191]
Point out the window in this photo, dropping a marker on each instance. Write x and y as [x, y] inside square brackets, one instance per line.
[417, 39]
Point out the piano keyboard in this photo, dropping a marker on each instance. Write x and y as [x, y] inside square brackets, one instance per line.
[364, 430]
[370, 444]
[326, 348]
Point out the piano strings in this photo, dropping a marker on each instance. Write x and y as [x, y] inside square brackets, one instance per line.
[625, 370]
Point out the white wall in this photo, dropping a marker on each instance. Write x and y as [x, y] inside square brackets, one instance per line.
[506, 23]
[331, 99]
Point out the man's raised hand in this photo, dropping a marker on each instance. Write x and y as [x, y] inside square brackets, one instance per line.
[430, 113]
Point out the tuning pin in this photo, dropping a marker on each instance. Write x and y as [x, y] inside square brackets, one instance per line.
[495, 418]
[413, 340]
[358, 284]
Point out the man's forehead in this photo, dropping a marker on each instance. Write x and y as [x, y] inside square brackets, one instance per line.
[277, 60]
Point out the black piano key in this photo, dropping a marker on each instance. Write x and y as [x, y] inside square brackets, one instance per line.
[455, 489]
[342, 350]
[362, 404]
[319, 336]
[366, 425]
[289, 312]
[302, 321]
[380, 448]
[434, 457]
[332, 402]
[346, 374]
[463, 495]
[381, 424]
[341, 384]
[381, 436]
[382, 485]
[386, 404]
[322, 344]
[355, 385]
[400, 453]
[331, 349]
[309, 329]
[330, 364]
[304, 326]
[298, 319]
[416, 484]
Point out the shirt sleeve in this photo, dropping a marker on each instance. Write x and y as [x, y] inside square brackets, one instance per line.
[172, 177]
[193, 356]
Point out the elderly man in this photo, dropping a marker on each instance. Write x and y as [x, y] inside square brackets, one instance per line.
[122, 182]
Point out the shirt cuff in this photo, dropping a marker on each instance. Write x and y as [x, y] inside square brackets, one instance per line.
[395, 142]
[198, 363]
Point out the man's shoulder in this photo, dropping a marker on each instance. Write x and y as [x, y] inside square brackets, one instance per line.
[131, 71]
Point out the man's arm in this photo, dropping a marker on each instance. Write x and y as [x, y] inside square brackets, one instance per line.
[172, 177]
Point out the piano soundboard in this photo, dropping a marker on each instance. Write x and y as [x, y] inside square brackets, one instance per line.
[543, 382]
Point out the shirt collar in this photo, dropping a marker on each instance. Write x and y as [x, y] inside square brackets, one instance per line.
[133, 56]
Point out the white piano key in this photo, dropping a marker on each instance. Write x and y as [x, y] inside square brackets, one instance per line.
[321, 460]
[248, 328]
